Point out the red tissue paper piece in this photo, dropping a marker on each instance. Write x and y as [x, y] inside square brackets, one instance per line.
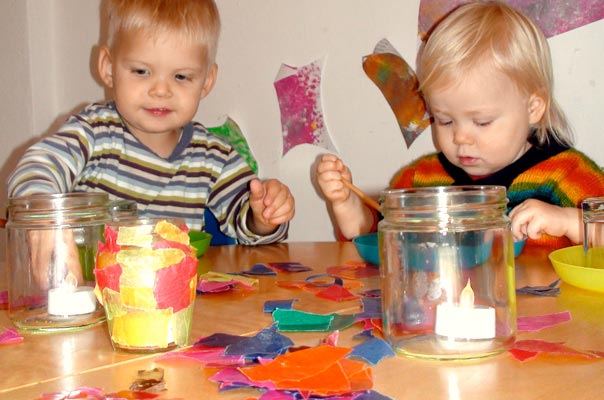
[357, 271]
[527, 349]
[175, 294]
[337, 293]
[3, 299]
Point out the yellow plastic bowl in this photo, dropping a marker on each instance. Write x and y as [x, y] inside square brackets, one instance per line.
[569, 265]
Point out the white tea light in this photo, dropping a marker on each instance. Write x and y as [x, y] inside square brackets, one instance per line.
[70, 300]
[465, 320]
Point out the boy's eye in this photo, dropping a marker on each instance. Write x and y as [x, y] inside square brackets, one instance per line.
[182, 77]
[140, 71]
[483, 123]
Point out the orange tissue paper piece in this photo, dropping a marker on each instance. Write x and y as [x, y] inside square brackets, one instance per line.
[321, 370]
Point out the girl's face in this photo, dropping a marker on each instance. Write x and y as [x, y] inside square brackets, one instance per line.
[482, 123]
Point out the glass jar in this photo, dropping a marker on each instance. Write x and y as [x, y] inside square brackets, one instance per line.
[51, 245]
[447, 272]
[146, 274]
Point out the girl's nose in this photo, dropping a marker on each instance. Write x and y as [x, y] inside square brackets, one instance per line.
[461, 135]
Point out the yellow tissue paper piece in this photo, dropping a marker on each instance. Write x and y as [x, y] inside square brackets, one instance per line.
[171, 232]
[149, 259]
[142, 329]
[139, 236]
[112, 303]
[138, 297]
[212, 276]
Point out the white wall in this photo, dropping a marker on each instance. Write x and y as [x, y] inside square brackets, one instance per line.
[48, 70]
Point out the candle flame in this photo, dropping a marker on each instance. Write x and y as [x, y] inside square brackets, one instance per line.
[71, 282]
[466, 299]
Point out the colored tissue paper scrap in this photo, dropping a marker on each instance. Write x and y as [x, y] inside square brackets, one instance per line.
[538, 322]
[398, 83]
[9, 336]
[354, 271]
[336, 293]
[151, 381]
[553, 17]
[319, 371]
[287, 266]
[372, 350]
[231, 132]
[259, 269]
[268, 343]
[527, 349]
[550, 290]
[301, 321]
[299, 94]
[213, 282]
[272, 305]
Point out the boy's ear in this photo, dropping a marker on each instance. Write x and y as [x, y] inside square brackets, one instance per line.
[536, 108]
[106, 66]
[210, 81]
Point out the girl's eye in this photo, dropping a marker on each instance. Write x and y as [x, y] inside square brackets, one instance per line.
[182, 77]
[443, 122]
[483, 123]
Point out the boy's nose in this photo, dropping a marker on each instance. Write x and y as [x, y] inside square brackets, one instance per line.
[160, 88]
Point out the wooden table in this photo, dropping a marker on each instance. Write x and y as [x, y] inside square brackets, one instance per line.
[54, 362]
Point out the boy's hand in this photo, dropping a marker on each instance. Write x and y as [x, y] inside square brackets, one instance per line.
[271, 203]
[330, 172]
[53, 255]
[533, 218]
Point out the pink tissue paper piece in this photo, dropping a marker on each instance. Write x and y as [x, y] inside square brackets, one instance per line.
[10, 336]
[299, 93]
[552, 16]
[539, 322]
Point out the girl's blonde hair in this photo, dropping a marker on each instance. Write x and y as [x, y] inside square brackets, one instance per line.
[494, 33]
[197, 21]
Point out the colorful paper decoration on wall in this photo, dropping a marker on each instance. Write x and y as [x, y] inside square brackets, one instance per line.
[398, 83]
[552, 16]
[299, 93]
[231, 132]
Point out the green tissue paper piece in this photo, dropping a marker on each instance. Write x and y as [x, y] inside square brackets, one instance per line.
[231, 132]
[300, 321]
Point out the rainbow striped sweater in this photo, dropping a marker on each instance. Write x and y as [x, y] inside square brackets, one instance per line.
[554, 174]
[94, 151]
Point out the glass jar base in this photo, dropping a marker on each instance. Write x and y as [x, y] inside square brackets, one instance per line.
[439, 348]
[42, 322]
[144, 350]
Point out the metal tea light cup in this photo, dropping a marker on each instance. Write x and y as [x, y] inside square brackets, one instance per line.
[593, 231]
[447, 272]
[146, 274]
[51, 244]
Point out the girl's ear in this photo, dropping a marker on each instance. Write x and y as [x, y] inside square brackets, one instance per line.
[106, 66]
[536, 108]
[210, 81]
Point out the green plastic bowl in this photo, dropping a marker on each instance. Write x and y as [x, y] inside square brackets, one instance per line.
[201, 241]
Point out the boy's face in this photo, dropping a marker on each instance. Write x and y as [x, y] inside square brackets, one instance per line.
[157, 83]
[482, 123]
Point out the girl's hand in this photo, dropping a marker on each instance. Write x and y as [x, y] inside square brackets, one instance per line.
[533, 218]
[330, 172]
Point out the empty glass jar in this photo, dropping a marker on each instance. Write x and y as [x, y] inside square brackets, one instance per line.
[52, 243]
[447, 272]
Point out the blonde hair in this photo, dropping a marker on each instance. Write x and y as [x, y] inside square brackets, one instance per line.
[197, 21]
[494, 33]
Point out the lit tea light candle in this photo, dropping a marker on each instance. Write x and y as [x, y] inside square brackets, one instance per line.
[69, 299]
[465, 320]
